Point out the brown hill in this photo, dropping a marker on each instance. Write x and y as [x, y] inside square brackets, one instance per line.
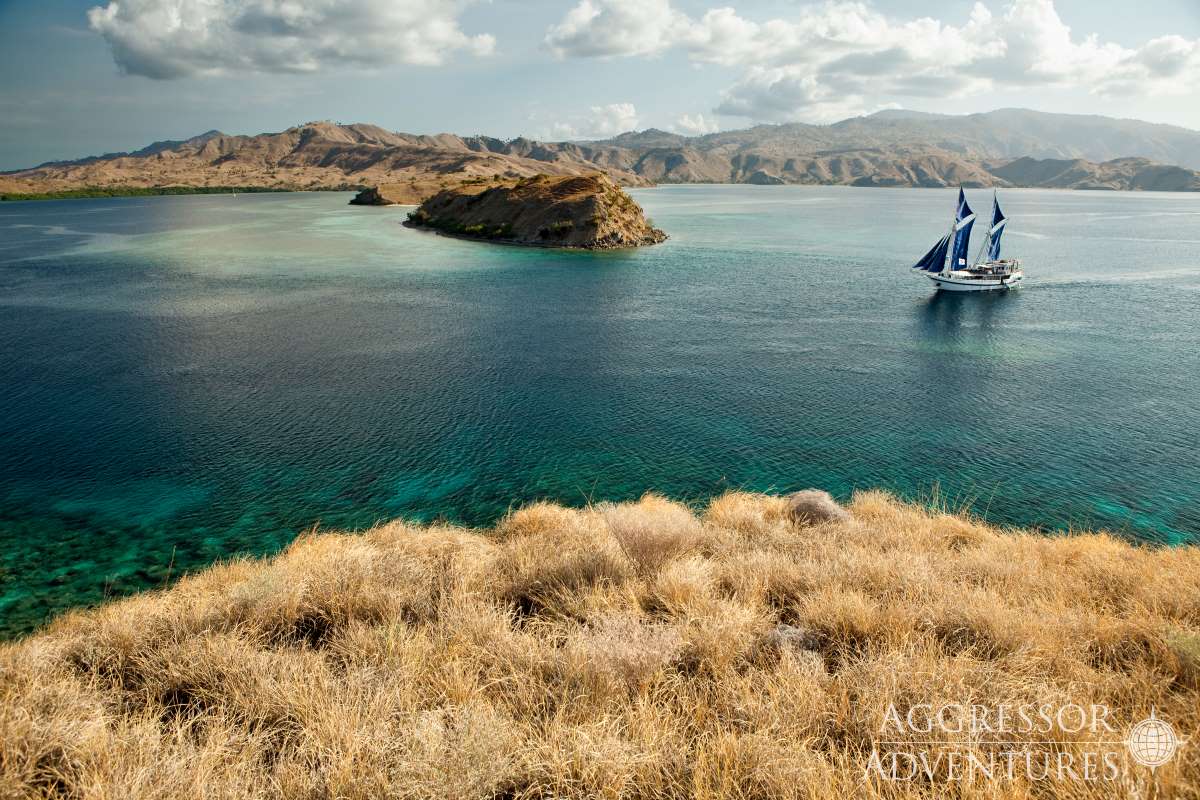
[319, 155]
[1121, 174]
[1003, 148]
[584, 211]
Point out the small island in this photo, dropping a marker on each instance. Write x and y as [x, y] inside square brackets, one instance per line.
[588, 212]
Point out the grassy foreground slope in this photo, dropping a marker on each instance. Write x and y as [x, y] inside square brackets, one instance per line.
[636, 650]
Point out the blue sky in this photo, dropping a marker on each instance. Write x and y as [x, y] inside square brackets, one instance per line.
[89, 77]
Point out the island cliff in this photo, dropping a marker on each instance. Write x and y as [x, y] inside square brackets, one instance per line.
[390, 194]
[583, 211]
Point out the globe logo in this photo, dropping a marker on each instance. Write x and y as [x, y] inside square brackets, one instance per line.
[1152, 742]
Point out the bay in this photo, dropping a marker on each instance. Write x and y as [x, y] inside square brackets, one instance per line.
[186, 379]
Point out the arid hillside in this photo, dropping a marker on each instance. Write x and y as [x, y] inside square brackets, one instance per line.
[319, 155]
[755, 648]
[1003, 148]
[1136, 174]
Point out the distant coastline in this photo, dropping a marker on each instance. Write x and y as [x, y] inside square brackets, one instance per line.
[94, 192]
[1002, 149]
[97, 193]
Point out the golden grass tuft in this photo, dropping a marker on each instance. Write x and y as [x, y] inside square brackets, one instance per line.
[618, 651]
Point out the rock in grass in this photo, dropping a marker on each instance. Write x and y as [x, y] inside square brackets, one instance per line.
[814, 506]
[791, 637]
[799, 644]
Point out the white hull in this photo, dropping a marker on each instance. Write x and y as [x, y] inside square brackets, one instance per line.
[962, 281]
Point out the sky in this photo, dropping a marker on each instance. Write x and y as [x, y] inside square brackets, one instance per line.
[88, 77]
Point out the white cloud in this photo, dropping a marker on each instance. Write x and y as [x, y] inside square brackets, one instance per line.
[179, 38]
[840, 58]
[601, 122]
[784, 93]
[600, 28]
[695, 125]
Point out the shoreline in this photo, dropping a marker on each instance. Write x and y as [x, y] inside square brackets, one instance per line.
[94, 193]
[428, 229]
[932, 507]
[100, 193]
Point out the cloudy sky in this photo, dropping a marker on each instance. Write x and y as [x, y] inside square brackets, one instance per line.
[88, 77]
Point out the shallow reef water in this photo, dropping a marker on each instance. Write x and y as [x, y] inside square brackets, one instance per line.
[186, 379]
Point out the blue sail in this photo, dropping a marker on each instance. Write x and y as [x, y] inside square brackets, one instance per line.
[962, 240]
[964, 218]
[998, 220]
[964, 210]
[935, 259]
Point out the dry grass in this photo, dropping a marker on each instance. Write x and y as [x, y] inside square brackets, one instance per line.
[633, 650]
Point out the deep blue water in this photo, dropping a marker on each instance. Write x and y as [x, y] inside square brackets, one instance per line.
[183, 379]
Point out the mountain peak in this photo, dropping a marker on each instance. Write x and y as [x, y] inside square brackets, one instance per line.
[651, 137]
[903, 113]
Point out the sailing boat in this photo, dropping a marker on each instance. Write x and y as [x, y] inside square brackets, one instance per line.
[947, 266]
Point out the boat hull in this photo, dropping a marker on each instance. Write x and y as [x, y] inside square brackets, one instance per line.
[951, 282]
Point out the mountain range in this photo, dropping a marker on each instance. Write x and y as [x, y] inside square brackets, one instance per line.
[1008, 147]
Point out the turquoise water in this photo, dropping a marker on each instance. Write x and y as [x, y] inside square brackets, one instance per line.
[183, 379]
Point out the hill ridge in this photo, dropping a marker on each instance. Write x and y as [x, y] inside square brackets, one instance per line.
[889, 148]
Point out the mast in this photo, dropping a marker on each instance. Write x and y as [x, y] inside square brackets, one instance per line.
[987, 238]
[950, 235]
[991, 243]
